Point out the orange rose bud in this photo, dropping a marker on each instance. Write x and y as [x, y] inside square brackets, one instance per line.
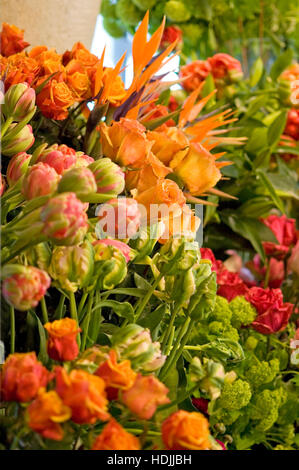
[46, 413]
[62, 343]
[117, 375]
[165, 192]
[115, 437]
[186, 431]
[84, 394]
[145, 396]
[198, 169]
[12, 40]
[22, 376]
[55, 98]
[125, 142]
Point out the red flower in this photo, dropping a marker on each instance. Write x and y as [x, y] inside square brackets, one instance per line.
[230, 285]
[22, 376]
[273, 313]
[194, 74]
[225, 66]
[62, 343]
[12, 40]
[276, 273]
[292, 125]
[201, 404]
[284, 230]
[171, 34]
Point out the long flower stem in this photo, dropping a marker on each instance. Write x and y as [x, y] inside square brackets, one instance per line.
[12, 330]
[81, 304]
[6, 126]
[86, 322]
[44, 310]
[73, 312]
[147, 297]
[60, 306]
[169, 329]
[177, 348]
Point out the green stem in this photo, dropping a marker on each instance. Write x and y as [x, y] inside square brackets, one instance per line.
[81, 304]
[73, 312]
[267, 275]
[86, 322]
[169, 328]
[178, 347]
[180, 399]
[60, 307]
[12, 330]
[6, 126]
[147, 297]
[44, 310]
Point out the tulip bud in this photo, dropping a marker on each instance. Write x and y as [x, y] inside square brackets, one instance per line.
[119, 218]
[91, 358]
[72, 266]
[59, 157]
[19, 101]
[17, 167]
[83, 159]
[40, 180]
[24, 286]
[109, 177]
[134, 343]
[19, 143]
[2, 185]
[39, 255]
[145, 243]
[177, 255]
[111, 264]
[210, 375]
[65, 222]
[80, 180]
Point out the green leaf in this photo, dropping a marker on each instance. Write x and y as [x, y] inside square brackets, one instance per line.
[276, 129]
[141, 283]
[251, 229]
[256, 104]
[271, 190]
[256, 72]
[281, 63]
[43, 355]
[122, 309]
[256, 207]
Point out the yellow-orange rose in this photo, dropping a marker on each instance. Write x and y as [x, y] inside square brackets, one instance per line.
[168, 143]
[186, 431]
[197, 169]
[184, 224]
[125, 142]
[115, 437]
[54, 99]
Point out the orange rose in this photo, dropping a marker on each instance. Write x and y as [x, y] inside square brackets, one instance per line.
[46, 413]
[19, 69]
[62, 343]
[84, 394]
[125, 142]
[194, 74]
[22, 376]
[197, 169]
[186, 431]
[49, 60]
[183, 224]
[291, 73]
[145, 396]
[147, 176]
[168, 143]
[165, 192]
[117, 375]
[80, 53]
[55, 98]
[115, 437]
[78, 80]
[12, 40]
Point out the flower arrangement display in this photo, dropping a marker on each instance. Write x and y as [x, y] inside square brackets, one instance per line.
[120, 331]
